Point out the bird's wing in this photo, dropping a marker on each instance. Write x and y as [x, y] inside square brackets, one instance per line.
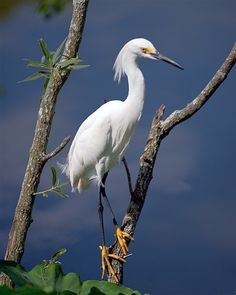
[92, 141]
[104, 110]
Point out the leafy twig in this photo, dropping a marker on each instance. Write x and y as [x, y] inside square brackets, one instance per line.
[56, 186]
[51, 60]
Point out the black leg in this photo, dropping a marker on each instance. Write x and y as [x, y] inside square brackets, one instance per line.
[106, 256]
[100, 213]
[103, 192]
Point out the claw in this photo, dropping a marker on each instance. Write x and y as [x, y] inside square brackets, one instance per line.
[121, 238]
[106, 262]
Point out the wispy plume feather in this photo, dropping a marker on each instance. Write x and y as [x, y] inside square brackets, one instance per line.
[119, 66]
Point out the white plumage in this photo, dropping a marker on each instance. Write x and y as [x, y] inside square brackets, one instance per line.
[102, 138]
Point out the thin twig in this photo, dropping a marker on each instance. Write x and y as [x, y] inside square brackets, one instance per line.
[54, 189]
[57, 149]
[128, 176]
[190, 109]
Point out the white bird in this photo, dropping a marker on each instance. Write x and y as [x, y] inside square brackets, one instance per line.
[103, 137]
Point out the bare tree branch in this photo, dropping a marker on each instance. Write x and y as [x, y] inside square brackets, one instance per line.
[179, 116]
[57, 149]
[22, 218]
[159, 130]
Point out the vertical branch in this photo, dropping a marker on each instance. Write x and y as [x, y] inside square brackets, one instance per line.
[37, 159]
[147, 162]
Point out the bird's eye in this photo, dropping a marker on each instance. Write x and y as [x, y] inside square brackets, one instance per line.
[144, 50]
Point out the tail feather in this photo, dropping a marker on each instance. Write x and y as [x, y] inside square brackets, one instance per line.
[77, 182]
[64, 168]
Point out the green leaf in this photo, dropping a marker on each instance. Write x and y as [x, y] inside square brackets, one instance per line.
[23, 291]
[38, 64]
[54, 175]
[35, 76]
[44, 49]
[59, 253]
[56, 55]
[78, 67]
[74, 63]
[6, 291]
[48, 277]
[69, 62]
[61, 185]
[37, 275]
[53, 275]
[105, 288]
[49, 8]
[70, 282]
[15, 271]
[60, 193]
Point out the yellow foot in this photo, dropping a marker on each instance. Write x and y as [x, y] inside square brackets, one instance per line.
[121, 238]
[107, 264]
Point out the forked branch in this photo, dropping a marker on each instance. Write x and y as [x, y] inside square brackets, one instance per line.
[159, 130]
[57, 149]
[190, 109]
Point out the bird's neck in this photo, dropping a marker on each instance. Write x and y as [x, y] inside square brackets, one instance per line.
[136, 85]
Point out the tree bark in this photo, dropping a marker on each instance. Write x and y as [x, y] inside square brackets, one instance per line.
[37, 154]
[159, 130]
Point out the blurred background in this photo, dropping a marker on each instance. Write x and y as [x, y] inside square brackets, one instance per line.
[185, 242]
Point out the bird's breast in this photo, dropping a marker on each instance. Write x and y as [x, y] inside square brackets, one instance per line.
[121, 135]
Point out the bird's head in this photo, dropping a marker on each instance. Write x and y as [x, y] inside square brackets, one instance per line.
[135, 49]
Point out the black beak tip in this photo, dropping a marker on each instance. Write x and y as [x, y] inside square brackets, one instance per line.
[159, 56]
[180, 67]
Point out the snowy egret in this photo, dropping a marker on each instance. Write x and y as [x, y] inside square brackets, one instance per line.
[102, 138]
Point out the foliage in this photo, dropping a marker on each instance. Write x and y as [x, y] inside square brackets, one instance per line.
[56, 186]
[49, 7]
[51, 60]
[48, 278]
